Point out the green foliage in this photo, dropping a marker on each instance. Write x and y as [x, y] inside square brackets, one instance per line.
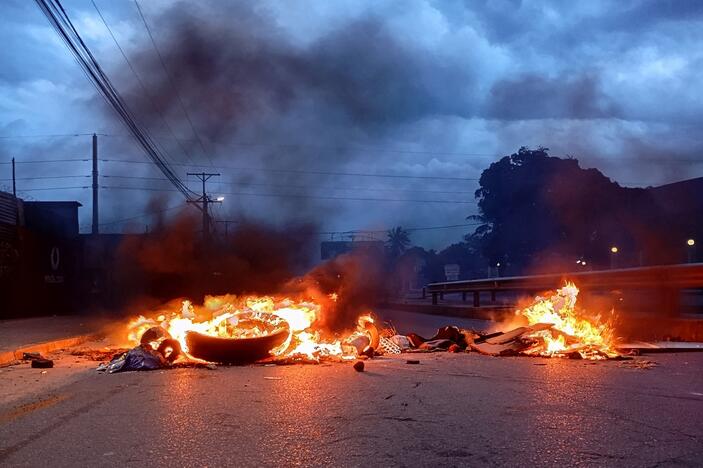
[397, 241]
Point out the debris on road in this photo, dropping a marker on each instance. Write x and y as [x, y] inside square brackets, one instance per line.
[274, 331]
[642, 347]
[143, 357]
[156, 350]
[38, 361]
[638, 364]
[42, 363]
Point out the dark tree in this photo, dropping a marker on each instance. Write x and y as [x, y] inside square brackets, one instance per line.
[397, 241]
[543, 213]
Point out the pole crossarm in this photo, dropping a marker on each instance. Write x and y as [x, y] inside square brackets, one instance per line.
[204, 200]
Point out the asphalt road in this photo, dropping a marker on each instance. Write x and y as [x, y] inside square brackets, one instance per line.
[449, 410]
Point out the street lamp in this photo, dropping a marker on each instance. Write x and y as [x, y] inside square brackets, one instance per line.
[613, 253]
[220, 199]
[691, 243]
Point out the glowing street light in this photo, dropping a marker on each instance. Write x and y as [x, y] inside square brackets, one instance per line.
[613, 255]
[220, 199]
[690, 242]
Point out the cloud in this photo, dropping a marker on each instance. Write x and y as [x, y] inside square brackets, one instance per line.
[416, 86]
[532, 96]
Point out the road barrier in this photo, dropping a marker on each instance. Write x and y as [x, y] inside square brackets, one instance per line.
[669, 280]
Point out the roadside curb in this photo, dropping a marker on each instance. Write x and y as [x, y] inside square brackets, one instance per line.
[8, 357]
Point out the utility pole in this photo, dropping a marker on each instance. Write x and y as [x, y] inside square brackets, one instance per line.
[205, 200]
[96, 223]
[14, 194]
[227, 222]
[14, 180]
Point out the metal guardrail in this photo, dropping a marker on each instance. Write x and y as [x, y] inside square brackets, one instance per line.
[668, 278]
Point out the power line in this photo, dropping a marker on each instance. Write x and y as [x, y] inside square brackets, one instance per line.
[312, 172]
[59, 20]
[289, 195]
[374, 149]
[413, 229]
[40, 161]
[141, 84]
[55, 135]
[148, 213]
[54, 188]
[171, 82]
[48, 177]
[308, 186]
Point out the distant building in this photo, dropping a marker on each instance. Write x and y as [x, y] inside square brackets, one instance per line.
[9, 217]
[55, 218]
[39, 256]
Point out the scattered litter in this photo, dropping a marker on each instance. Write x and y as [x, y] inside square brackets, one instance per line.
[42, 363]
[359, 366]
[273, 378]
[401, 342]
[638, 364]
[156, 350]
[38, 361]
[412, 361]
[99, 354]
[141, 358]
[387, 346]
[43, 372]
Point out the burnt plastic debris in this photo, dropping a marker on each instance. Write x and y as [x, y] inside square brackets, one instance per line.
[154, 334]
[144, 356]
[38, 361]
[141, 358]
[42, 363]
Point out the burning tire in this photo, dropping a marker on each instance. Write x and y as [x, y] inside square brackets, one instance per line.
[234, 351]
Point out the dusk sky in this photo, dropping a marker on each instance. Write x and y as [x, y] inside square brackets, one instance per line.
[299, 104]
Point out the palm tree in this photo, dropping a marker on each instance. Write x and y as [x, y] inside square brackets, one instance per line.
[397, 241]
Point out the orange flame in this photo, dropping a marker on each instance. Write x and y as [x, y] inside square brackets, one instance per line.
[570, 331]
[253, 316]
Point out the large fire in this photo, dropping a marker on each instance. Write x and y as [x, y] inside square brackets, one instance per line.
[570, 332]
[257, 316]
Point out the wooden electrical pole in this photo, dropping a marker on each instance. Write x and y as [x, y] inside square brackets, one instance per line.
[14, 180]
[96, 221]
[205, 201]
